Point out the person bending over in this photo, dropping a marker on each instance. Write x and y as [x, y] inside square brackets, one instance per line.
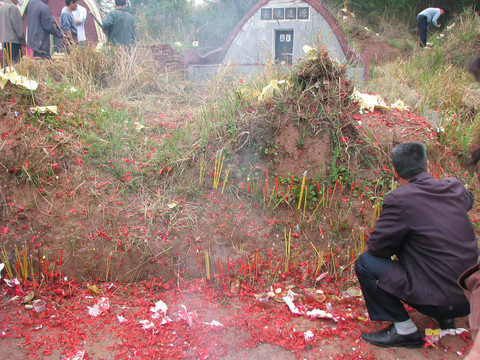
[427, 17]
[421, 243]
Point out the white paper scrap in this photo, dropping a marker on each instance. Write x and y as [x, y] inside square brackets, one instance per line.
[160, 306]
[317, 313]
[121, 319]
[146, 324]
[456, 331]
[308, 335]
[214, 323]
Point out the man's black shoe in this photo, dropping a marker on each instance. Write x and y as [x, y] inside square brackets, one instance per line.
[446, 323]
[389, 337]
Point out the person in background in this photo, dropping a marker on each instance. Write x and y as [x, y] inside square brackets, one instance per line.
[69, 26]
[40, 26]
[12, 34]
[80, 15]
[120, 25]
[421, 243]
[427, 17]
[470, 279]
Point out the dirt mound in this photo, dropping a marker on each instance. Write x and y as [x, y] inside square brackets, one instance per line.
[374, 46]
[71, 210]
[65, 208]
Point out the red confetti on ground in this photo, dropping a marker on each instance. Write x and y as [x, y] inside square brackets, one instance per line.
[204, 320]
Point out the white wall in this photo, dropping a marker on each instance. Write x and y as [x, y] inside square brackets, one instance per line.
[255, 42]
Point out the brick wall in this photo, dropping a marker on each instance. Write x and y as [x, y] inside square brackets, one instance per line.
[165, 57]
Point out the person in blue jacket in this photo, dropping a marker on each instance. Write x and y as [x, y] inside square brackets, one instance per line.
[69, 26]
[427, 17]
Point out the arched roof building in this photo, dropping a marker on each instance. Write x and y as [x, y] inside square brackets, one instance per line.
[277, 30]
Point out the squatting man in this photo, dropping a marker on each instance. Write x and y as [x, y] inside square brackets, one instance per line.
[422, 242]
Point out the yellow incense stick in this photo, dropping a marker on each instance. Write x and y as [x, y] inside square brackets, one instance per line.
[201, 172]
[362, 241]
[207, 264]
[227, 171]
[301, 190]
[271, 197]
[6, 262]
[109, 261]
[283, 198]
[24, 263]
[314, 211]
[305, 202]
[377, 208]
[288, 246]
[320, 261]
[19, 262]
[333, 194]
[31, 270]
[218, 170]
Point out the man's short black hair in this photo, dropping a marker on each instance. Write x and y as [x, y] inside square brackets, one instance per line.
[68, 2]
[120, 2]
[409, 159]
[446, 9]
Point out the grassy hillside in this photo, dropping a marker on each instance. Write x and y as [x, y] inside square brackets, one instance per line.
[140, 173]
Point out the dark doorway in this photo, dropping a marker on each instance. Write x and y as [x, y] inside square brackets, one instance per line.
[284, 46]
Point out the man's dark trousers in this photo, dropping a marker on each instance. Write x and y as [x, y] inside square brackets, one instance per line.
[12, 51]
[383, 306]
[422, 29]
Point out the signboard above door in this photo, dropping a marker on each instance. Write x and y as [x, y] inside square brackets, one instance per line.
[289, 13]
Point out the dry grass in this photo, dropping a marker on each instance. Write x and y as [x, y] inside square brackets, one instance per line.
[437, 77]
[117, 73]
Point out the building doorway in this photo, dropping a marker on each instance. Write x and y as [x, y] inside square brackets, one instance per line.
[284, 46]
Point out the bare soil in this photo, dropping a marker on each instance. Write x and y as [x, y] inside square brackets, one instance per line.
[378, 49]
